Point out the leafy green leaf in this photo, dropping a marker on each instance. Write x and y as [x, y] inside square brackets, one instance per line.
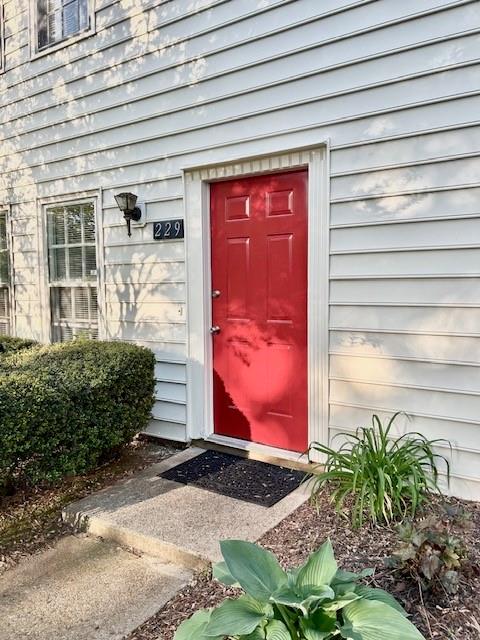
[258, 634]
[235, 618]
[347, 576]
[373, 620]
[318, 626]
[195, 627]
[319, 569]
[255, 569]
[223, 575]
[276, 630]
[341, 601]
[379, 595]
[302, 599]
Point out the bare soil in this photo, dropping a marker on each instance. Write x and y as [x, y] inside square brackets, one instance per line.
[438, 616]
[30, 520]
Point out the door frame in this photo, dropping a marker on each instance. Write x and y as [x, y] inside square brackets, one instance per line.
[196, 180]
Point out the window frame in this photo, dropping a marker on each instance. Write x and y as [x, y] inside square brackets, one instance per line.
[35, 52]
[6, 209]
[48, 316]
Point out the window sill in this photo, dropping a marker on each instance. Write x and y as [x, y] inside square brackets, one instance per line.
[34, 55]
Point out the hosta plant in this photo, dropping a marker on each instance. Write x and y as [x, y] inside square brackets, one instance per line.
[430, 553]
[382, 477]
[316, 601]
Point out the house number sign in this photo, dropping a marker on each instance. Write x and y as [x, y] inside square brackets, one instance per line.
[168, 229]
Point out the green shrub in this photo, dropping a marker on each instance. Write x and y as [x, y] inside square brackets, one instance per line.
[316, 601]
[430, 553]
[385, 478]
[64, 407]
[9, 343]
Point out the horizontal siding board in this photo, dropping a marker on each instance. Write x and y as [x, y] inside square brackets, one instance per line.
[170, 372]
[169, 411]
[446, 320]
[146, 312]
[28, 327]
[412, 150]
[24, 276]
[423, 177]
[145, 292]
[406, 263]
[166, 430]
[407, 207]
[173, 392]
[444, 291]
[434, 403]
[25, 259]
[140, 273]
[397, 372]
[422, 347]
[415, 234]
[133, 331]
[24, 243]
[146, 254]
[169, 352]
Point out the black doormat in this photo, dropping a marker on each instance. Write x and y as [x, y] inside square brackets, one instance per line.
[248, 480]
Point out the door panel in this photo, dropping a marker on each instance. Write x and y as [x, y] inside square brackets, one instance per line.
[259, 265]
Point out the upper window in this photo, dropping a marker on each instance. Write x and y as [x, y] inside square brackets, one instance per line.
[4, 276]
[58, 20]
[72, 259]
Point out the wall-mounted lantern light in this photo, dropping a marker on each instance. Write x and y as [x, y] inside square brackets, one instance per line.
[126, 202]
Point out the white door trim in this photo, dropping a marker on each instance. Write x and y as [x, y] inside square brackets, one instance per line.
[197, 247]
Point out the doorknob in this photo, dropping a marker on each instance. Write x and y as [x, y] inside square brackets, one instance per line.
[214, 330]
[215, 293]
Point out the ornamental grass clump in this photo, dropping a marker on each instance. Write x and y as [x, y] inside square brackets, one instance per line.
[316, 601]
[379, 477]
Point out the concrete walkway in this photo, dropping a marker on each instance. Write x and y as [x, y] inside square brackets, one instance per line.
[178, 523]
[84, 589]
[90, 587]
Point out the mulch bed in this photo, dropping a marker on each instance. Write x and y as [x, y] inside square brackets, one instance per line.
[437, 616]
[30, 520]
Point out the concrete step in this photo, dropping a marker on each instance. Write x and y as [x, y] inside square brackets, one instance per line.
[86, 589]
[178, 523]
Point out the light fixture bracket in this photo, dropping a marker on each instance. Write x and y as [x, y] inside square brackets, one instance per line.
[126, 202]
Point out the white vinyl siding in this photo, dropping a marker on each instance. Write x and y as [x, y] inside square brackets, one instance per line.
[72, 271]
[5, 282]
[58, 20]
[393, 86]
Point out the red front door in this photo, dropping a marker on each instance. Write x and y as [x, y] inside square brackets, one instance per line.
[259, 304]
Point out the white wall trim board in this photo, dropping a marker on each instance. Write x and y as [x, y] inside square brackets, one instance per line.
[197, 238]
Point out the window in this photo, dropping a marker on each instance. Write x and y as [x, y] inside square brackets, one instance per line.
[4, 276]
[72, 260]
[58, 20]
